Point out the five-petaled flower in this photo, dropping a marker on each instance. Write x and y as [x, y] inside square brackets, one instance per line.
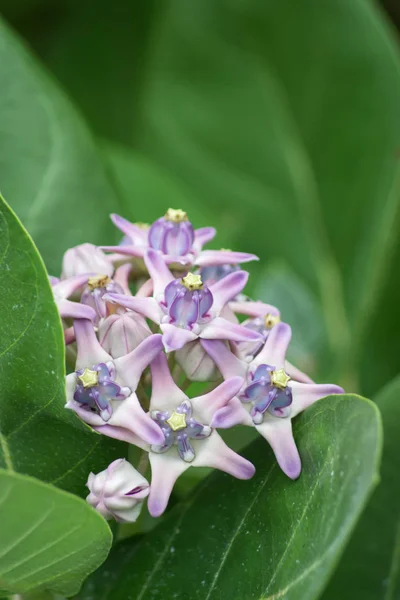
[176, 240]
[269, 399]
[190, 438]
[186, 309]
[102, 389]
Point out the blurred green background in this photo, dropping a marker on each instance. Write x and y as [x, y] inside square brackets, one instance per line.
[278, 121]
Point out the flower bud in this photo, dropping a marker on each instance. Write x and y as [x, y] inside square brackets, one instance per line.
[85, 258]
[196, 363]
[119, 334]
[118, 492]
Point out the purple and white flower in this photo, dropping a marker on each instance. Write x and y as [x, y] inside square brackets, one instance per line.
[176, 240]
[118, 492]
[269, 399]
[102, 390]
[186, 309]
[189, 435]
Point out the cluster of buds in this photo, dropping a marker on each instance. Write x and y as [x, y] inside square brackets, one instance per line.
[159, 300]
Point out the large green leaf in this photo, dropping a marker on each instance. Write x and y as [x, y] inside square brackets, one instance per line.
[370, 567]
[284, 114]
[291, 110]
[38, 436]
[49, 168]
[49, 540]
[268, 538]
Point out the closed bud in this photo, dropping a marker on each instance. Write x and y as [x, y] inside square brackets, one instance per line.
[85, 258]
[119, 334]
[196, 363]
[118, 492]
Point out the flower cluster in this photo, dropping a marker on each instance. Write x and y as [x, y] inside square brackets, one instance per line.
[159, 300]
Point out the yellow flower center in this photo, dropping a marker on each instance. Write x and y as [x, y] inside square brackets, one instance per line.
[176, 215]
[89, 378]
[192, 282]
[177, 421]
[279, 379]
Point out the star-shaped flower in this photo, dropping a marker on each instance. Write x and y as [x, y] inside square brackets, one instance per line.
[186, 310]
[189, 435]
[269, 399]
[176, 240]
[102, 389]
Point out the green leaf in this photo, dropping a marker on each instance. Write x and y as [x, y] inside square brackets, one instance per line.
[283, 538]
[38, 436]
[287, 113]
[282, 115]
[370, 567]
[49, 540]
[49, 167]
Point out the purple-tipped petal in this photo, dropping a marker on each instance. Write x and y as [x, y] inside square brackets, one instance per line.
[158, 271]
[228, 364]
[275, 347]
[223, 257]
[234, 413]
[89, 350]
[136, 234]
[147, 307]
[208, 404]
[137, 251]
[66, 287]
[174, 338]
[131, 366]
[216, 454]
[253, 309]
[164, 391]
[165, 470]
[119, 433]
[296, 374]
[130, 415]
[279, 435]
[227, 288]
[75, 310]
[121, 276]
[221, 329]
[305, 394]
[203, 236]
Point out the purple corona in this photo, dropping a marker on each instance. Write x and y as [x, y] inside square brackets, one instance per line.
[94, 291]
[187, 301]
[179, 427]
[173, 234]
[96, 387]
[268, 391]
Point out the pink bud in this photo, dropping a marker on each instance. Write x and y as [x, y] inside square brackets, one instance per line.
[85, 258]
[118, 492]
[196, 363]
[119, 334]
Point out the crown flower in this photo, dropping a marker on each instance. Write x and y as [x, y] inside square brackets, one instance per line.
[140, 334]
[270, 398]
[185, 314]
[177, 241]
